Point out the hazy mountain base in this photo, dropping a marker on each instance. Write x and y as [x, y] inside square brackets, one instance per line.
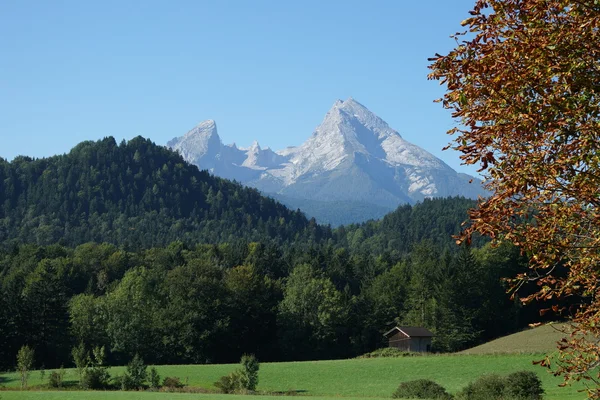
[334, 213]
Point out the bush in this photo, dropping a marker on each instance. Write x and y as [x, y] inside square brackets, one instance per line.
[421, 389]
[244, 379]
[487, 387]
[56, 379]
[390, 352]
[524, 385]
[172, 382]
[95, 378]
[230, 383]
[521, 385]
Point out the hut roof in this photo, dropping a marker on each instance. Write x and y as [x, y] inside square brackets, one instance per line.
[410, 331]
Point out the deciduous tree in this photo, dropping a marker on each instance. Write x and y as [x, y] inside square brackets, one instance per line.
[524, 83]
[25, 358]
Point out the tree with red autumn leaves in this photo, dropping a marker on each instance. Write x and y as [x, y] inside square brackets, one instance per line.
[524, 84]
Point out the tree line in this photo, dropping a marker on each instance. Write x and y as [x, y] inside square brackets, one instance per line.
[213, 303]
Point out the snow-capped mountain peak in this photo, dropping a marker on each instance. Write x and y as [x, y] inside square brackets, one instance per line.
[201, 139]
[205, 130]
[353, 155]
[352, 109]
[201, 145]
[254, 146]
[349, 128]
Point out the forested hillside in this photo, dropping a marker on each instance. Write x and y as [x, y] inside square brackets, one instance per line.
[136, 195]
[436, 220]
[209, 303]
[128, 247]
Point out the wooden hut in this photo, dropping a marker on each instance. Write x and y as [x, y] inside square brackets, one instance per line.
[410, 338]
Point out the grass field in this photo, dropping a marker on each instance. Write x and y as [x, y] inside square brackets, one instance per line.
[538, 340]
[144, 396]
[357, 378]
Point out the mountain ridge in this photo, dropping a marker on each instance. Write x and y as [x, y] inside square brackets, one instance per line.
[353, 155]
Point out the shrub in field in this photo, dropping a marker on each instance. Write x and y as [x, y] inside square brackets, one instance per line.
[172, 382]
[95, 378]
[389, 352]
[244, 379]
[230, 383]
[521, 385]
[487, 387]
[524, 385]
[56, 379]
[421, 389]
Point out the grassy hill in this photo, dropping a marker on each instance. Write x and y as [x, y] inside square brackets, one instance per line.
[356, 378]
[537, 340]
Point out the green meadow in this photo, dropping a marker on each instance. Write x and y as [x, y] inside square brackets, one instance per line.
[542, 339]
[355, 378]
[71, 395]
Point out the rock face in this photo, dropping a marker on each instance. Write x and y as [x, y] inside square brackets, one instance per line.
[353, 158]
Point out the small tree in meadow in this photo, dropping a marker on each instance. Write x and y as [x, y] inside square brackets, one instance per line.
[249, 372]
[136, 374]
[154, 378]
[25, 358]
[81, 359]
[242, 379]
[95, 375]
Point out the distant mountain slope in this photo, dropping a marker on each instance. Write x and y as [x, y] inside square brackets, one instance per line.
[353, 156]
[135, 194]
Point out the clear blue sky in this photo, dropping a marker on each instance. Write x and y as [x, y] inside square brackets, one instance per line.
[267, 70]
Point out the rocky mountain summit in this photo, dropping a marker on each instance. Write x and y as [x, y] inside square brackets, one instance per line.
[353, 164]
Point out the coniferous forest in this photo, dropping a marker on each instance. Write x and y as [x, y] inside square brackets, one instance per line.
[127, 246]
